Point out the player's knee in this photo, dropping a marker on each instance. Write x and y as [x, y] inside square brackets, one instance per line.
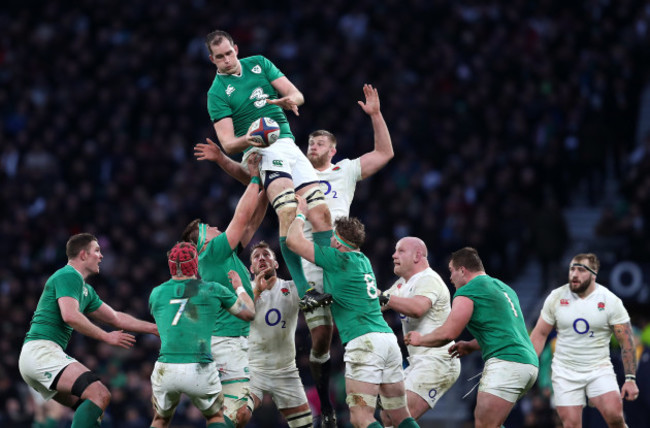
[243, 416]
[300, 419]
[89, 387]
[285, 202]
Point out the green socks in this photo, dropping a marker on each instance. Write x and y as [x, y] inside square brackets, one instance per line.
[87, 415]
[408, 423]
[294, 264]
[219, 424]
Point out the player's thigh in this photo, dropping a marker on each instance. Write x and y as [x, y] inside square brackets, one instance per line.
[569, 387]
[285, 388]
[571, 416]
[231, 357]
[507, 379]
[430, 377]
[42, 361]
[610, 405]
[374, 358]
[491, 410]
[321, 334]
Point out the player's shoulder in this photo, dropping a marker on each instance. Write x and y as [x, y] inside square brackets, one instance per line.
[605, 292]
[67, 273]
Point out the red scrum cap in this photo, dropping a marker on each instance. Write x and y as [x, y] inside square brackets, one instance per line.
[183, 260]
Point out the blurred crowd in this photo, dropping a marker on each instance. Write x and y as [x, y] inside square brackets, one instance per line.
[499, 112]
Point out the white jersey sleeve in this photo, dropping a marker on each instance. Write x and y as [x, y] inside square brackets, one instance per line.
[584, 326]
[272, 344]
[430, 285]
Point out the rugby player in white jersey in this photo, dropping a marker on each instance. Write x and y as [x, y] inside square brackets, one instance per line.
[585, 314]
[422, 299]
[338, 183]
[272, 346]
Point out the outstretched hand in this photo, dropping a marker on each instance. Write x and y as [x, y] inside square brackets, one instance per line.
[235, 280]
[460, 349]
[208, 151]
[121, 339]
[260, 279]
[371, 106]
[286, 103]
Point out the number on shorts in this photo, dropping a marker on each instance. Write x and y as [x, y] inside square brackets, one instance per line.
[182, 302]
[512, 305]
[370, 286]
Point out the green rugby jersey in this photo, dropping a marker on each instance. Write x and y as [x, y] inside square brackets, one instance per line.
[349, 278]
[214, 264]
[185, 312]
[47, 323]
[497, 322]
[243, 98]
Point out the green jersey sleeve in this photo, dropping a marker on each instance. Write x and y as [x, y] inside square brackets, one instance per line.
[92, 301]
[68, 284]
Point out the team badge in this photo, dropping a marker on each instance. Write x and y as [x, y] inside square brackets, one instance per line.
[564, 302]
[229, 90]
[257, 69]
[336, 168]
[85, 293]
[285, 291]
[601, 306]
[277, 162]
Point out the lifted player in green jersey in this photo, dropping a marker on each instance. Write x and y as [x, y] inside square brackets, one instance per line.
[490, 310]
[63, 307]
[248, 89]
[185, 310]
[373, 360]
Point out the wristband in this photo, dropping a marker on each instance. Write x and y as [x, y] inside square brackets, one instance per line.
[256, 180]
[301, 216]
[630, 378]
[240, 290]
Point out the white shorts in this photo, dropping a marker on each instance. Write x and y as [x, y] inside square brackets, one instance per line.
[285, 156]
[285, 388]
[200, 382]
[507, 379]
[374, 358]
[570, 386]
[431, 376]
[40, 362]
[231, 356]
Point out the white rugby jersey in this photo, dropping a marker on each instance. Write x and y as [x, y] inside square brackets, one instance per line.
[338, 183]
[272, 343]
[584, 326]
[430, 285]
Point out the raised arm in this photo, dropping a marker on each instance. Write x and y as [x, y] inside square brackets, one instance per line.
[291, 97]
[539, 334]
[296, 240]
[74, 318]
[375, 160]
[244, 307]
[461, 313]
[256, 219]
[246, 205]
[121, 320]
[623, 333]
[211, 152]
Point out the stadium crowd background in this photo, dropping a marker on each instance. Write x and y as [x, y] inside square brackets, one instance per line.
[500, 113]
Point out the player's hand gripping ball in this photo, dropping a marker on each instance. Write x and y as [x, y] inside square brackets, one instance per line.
[265, 131]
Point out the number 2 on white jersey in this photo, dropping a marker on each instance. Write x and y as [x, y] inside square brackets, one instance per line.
[182, 302]
[512, 305]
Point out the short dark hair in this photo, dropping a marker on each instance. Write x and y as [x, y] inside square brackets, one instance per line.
[323, 133]
[262, 245]
[468, 258]
[594, 263]
[191, 232]
[216, 37]
[351, 229]
[78, 243]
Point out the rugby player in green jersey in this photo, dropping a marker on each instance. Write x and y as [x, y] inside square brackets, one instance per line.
[186, 310]
[65, 304]
[247, 89]
[373, 360]
[490, 310]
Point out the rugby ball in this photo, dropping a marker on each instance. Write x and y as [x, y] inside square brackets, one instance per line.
[265, 131]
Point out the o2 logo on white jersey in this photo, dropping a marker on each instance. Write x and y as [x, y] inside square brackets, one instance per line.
[259, 97]
[273, 317]
[326, 187]
[581, 326]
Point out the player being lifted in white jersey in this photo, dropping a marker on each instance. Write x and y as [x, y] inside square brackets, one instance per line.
[422, 299]
[272, 351]
[338, 182]
[585, 314]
